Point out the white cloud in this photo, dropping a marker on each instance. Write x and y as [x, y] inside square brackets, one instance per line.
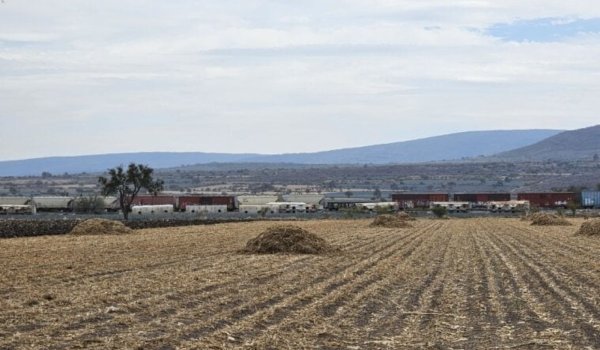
[144, 75]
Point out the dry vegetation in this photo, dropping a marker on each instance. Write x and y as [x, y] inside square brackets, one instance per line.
[100, 227]
[547, 219]
[289, 239]
[391, 221]
[462, 284]
[590, 228]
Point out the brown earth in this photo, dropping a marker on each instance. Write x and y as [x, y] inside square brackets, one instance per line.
[444, 284]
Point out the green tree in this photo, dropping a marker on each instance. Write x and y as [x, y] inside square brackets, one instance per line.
[439, 212]
[126, 184]
[89, 204]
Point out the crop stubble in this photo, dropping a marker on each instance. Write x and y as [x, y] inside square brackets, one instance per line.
[468, 284]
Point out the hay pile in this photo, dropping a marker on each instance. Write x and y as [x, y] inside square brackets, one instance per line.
[546, 219]
[100, 227]
[589, 228]
[405, 216]
[390, 221]
[287, 239]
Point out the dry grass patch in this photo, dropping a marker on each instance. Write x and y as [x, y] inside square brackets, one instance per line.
[390, 221]
[100, 227]
[546, 219]
[589, 228]
[287, 239]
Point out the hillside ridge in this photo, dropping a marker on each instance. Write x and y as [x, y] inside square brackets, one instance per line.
[454, 146]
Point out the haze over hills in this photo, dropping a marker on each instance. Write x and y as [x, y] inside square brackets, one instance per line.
[98, 163]
[446, 147]
[568, 145]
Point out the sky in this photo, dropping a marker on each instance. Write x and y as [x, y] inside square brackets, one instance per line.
[273, 76]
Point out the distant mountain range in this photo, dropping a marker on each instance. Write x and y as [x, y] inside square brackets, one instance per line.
[456, 146]
[438, 148]
[568, 145]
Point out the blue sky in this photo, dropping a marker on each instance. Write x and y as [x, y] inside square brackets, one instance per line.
[267, 76]
[545, 30]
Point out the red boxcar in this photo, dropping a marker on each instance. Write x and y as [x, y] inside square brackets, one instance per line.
[155, 200]
[229, 201]
[481, 197]
[418, 200]
[548, 199]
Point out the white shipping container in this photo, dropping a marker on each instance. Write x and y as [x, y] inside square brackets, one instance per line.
[255, 209]
[452, 206]
[53, 203]
[152, 209]
[17, 209]
[288, 207]
[14, 200]
[206, 209]
[378, 205]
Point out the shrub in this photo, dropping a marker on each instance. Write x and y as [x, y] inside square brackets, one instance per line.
[439, 212]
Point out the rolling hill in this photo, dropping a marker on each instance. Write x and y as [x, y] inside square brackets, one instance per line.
[446, 147]
[568, 145]
[98, 163]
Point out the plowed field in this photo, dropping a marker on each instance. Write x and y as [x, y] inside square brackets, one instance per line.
[444, 284]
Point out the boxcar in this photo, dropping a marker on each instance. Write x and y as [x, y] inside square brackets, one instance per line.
[548, 199]
[228, 201]
[155, 200]
[481, 197]
[418, 200]
[590, 199]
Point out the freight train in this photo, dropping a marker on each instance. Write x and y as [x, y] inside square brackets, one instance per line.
[230, 203]
[545, 200]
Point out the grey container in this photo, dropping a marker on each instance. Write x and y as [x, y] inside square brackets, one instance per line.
[590, 199]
